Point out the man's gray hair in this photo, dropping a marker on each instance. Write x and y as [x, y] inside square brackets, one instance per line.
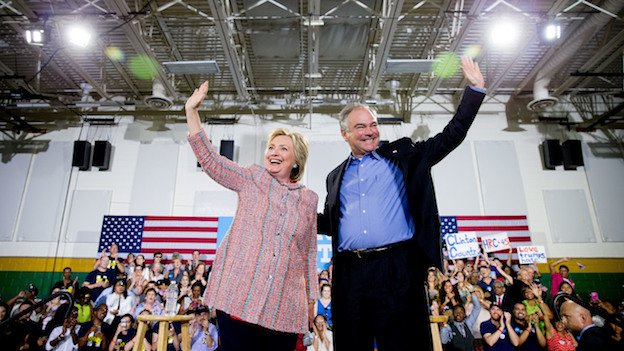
[344, 113]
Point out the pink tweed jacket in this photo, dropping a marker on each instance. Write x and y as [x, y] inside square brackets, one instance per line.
[265, 267]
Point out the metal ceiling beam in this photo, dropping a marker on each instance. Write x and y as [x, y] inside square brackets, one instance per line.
[170, 42]
[613, 47]
[239, 39]
[570, 35]
[120, 7]
[389, 25]
[227, 41]
[314, 11]
[476, 9]
[430, 43]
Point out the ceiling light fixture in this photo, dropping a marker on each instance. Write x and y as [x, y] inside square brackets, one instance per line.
[35, 36]
[504, 33]
[79, 35]
[192, 67]
[408, 65]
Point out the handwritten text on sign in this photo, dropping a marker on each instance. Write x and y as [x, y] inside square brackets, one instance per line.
[495, 242]
[531, 254]
[462, 245]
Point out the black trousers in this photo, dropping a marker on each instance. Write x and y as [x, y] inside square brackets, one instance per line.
[236, 335]
[380, 297]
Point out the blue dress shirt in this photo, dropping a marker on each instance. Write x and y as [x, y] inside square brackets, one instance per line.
[373, 204]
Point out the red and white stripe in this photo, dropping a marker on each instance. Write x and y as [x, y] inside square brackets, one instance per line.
[180, 234]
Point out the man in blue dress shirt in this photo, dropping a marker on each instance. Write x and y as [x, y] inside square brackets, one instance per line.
[382, 215]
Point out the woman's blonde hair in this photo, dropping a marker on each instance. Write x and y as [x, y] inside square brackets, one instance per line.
[301, 150]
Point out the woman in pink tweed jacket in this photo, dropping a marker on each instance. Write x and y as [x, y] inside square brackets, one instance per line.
[264, 273]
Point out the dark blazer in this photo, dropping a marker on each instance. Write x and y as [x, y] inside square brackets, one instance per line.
[508, 302]
[594, 339]
[415, 161]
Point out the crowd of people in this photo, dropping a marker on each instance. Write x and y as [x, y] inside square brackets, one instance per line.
[496, 305]
[117, 290]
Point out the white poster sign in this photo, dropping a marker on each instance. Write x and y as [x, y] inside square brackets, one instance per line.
[495, 242]
[531, 254]
[462, 245]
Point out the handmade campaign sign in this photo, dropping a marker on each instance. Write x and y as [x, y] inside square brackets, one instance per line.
[462, 245]
[531, 254]
[495, 242]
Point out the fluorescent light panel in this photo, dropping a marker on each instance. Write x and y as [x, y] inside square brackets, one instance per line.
[192, 67]
[409, 65]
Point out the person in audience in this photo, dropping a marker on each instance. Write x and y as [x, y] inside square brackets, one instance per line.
[65, 336]
[177, 270]
[578, 320]
[558, 338]
[323, 304]
[83, 304]
[324, 277]
[463, 287]
[157, 260]
[27, 295]
[95, 334]
[275, 227]
[129, 263]
[136, 282]
[193, 262]
[523, 281]
[486, 283]
[497, 332]
[100, 278]
[323, 337]
[67, 283]
[4, 311]
[433, 283]
[449, 297]
[119, 303]
[173, 336]
[204, 334]
[194, 301]
[155, 272]
[151, 304]
[200, 276]
[500, 297]
[147, 339]
[115, 265]
[139, 260]
[534, 304]
[456, 334]
[530, 336]
[124, 333]
[557, 278]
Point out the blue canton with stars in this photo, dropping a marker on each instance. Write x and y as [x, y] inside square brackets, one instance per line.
[448, 225]
[125, 231]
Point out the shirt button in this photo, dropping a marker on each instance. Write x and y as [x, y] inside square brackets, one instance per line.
[365, 232]
[363, 194]
[363, 211]
[270, 276]
[362, 179]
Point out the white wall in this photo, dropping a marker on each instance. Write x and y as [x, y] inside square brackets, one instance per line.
[182, 189]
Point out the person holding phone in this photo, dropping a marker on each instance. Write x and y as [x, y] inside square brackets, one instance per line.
[124, 334]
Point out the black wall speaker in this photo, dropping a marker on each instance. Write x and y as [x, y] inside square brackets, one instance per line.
[552, 152]
[572, 154]
[101, 154]
[227, 149]
[82, 155]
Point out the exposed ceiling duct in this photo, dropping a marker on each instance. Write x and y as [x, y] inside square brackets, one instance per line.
[158, 100]
[588, 29]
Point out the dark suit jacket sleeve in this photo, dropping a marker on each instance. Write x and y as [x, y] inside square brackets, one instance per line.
[455, 131]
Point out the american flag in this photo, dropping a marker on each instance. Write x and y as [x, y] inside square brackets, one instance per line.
[149, 234]
[517, 228]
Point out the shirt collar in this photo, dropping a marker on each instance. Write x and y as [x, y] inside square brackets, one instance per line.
[373, 154]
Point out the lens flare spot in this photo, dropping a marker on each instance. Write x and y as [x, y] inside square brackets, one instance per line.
[446, 64]
[143, 67]
[114, 53]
